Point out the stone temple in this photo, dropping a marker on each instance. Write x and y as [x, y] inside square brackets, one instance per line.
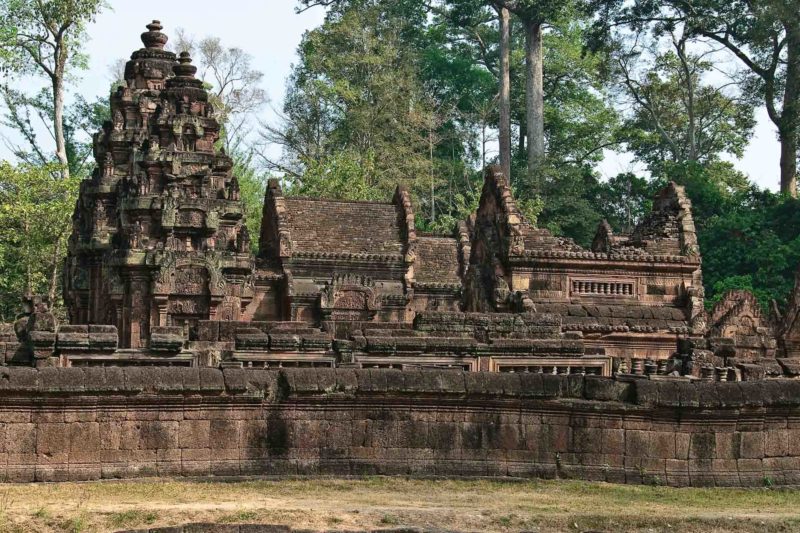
[160, 272]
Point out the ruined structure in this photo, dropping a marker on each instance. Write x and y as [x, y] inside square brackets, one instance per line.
[160, 271]
[393, 326]
[77, 424]
[158, 237]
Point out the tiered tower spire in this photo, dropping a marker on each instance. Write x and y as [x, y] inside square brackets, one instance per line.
[159, 237]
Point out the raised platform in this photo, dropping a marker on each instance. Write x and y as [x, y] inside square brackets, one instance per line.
[100, 423]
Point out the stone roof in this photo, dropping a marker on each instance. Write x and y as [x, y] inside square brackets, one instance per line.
[437, 260]
[333, 226]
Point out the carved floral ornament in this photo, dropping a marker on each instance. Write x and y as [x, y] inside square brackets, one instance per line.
[350, 292]
[173, 269]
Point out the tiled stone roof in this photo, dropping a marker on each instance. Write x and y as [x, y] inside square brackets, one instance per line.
[437, 260]
[342, 227]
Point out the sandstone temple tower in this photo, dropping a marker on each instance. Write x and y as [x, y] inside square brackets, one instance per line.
[158, 238]
[160, 271]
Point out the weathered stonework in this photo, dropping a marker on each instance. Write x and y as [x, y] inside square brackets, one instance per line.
[176, 358]
[160, 272]
[159, 238]
[61, 424]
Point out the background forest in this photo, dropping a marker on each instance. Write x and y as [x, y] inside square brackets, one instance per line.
[426, 93]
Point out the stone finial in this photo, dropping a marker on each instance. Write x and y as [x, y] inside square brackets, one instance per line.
[153, 38]
[184, 68]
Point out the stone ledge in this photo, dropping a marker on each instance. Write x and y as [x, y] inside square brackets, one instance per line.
[275, 385]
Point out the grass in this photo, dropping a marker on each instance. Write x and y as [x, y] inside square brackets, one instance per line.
[132, 518]
[366, 503]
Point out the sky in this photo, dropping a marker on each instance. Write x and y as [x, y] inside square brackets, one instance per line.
[270, 30]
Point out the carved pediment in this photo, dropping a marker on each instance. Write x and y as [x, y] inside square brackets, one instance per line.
[349, 296]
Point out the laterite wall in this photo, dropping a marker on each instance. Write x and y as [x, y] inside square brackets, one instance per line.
[98, 423]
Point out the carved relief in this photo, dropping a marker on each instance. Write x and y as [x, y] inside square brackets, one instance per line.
[349, 297]
[190, 280]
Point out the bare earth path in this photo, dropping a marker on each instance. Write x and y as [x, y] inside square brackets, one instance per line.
[361, 504]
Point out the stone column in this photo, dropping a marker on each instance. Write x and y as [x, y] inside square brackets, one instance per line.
[139, 309]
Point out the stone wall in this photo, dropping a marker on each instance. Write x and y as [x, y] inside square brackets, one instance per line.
[97, 423]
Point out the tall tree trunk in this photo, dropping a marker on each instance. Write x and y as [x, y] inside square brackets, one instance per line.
[691, 137]
[58, 124]
[28, 272]
[505, 92]
[433, 189]
[534, 99]
[789, 165]
[789, 128]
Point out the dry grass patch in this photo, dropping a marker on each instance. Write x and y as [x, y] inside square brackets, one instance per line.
[357, 504]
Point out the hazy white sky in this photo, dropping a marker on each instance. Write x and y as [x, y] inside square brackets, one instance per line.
[270, 31]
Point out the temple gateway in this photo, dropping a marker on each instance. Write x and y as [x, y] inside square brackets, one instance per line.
[160, 272]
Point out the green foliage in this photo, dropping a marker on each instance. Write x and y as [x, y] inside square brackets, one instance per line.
[343, 175]
[35, 208]
[678, 118]
[252, 186]
[625, 199]
[28, 25]
[579, 118]
[749, 238]
[357, 72]
[81, 119]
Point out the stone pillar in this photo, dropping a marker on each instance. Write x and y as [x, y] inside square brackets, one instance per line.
[139, 309]
[160, 317]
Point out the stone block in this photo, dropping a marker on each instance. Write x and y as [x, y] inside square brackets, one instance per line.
[19, 379]
[646, 392]
[776, 442]
[751, 372]
[194, 434]
[702, 446]
[208, 330]
[495, 383]
[235, 380]
[474, 383]
[552, 385]
[159, 435]
[363, 379]
[709, 395]
[326, 379]
[212, 380]
[751, 445]
[451, 382]
[574, 386]
[607, 389]
[166, 338]
[170, 379]
[346, 380]
[55, 380]
[531, 385]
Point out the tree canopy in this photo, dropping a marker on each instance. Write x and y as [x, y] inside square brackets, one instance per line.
[425, 94]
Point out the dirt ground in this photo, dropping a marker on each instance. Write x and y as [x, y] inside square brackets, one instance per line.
[363, 504]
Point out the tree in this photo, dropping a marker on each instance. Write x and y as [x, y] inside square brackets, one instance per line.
[252, 186]
[763, 36]
[534, 15]
[505, 89]
[45, 40]
[676, 117]
[232, 81]
[625, 199]
[80, 121]
[357, 90]
[35, 208]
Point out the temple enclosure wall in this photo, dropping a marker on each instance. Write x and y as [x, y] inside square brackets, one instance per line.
[100, 423]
